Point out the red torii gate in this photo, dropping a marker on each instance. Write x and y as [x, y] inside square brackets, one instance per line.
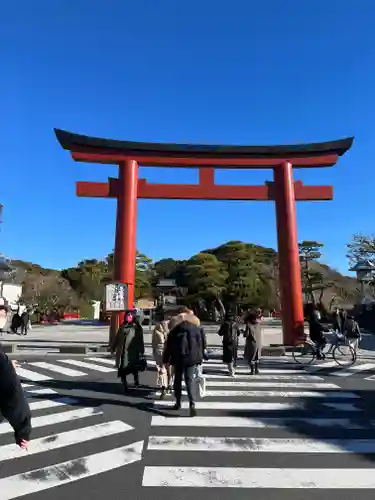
[283, 190]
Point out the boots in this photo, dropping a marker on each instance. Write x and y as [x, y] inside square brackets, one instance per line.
[177, 405]
[193, 411]
[163, 393]
[125, 384]
[256, 367]
[251, 368]
[136, 379]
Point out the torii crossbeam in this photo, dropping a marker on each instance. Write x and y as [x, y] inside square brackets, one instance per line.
[127, 188]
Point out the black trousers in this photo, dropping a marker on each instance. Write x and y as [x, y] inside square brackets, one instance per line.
[188, 373]
[123, 374]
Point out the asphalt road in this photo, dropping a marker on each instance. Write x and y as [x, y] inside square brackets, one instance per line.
[287, 433]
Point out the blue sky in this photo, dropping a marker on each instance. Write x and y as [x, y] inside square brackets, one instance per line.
[238, 72]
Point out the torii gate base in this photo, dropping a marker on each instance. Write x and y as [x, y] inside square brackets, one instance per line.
[127, 188]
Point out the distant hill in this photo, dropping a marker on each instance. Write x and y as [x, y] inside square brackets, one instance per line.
[49, 285]
[43, 285]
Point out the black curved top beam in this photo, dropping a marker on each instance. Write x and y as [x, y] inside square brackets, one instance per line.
[77, 142]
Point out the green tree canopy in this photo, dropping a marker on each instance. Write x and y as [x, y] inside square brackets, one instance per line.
[361, 247]
[309, 251]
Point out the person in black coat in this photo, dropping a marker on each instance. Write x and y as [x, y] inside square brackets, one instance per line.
[13, 404]
[317, 332]
[184, 351]
[230, 332]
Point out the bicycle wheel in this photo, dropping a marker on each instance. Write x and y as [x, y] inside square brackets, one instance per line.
[344, 355]
[304, 353]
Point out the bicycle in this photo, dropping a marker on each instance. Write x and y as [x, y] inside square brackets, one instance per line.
[306, 351]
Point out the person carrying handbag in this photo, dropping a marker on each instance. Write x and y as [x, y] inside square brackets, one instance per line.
[199, 380]
[164, 373]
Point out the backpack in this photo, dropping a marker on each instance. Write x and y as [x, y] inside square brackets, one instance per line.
[351, 329]
[183, 344]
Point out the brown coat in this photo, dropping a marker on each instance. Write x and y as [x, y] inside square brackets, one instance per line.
[253, 342]
[159, 338]
[177, 320]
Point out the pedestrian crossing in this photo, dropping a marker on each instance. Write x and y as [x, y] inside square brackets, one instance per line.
[42, 371]
[65, 425]
[270, 431]
[331, 368]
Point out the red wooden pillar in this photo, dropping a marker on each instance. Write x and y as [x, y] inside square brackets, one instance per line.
[126, 229]
[289, 265]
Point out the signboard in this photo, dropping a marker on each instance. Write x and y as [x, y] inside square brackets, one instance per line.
[116, 297]
[167, 283]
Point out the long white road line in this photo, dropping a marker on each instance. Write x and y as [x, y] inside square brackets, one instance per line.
[262, 445]
[354, 369]
[80, 468]
[69, 372]
[51, 403]
[87, 366]
[284, 394]
[233, 477]
[297, 378]
[40, 392]
[261, 423]
[30, 375]
[231, 405]
[314, 368]
[274, 385]
[55, 418]
[105, 361]
[63, 439]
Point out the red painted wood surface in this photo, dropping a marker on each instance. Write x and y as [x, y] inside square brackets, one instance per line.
[226, 163]
[288, 255]
[204, 191]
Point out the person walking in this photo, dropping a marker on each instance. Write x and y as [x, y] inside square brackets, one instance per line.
[25, 320]
[164, 374]
[352, 332]
[337, 323]
[184, 351]
[230, 332]
[13, 404]
[129, 347]
[253, 342]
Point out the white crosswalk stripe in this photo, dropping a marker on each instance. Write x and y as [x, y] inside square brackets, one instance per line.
[62, 423]
[58, 369]
[331, 368]
[42, 371]
[230, 477]
[19, 485]
[280, 412]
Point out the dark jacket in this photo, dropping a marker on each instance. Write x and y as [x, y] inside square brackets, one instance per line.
[337, 323]
[204, 345]
[13, 404]
[184, 346]
[129, 347]
[351, 329]
[316, 330]
[230, 332]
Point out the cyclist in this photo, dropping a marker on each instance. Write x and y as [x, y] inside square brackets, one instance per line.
[316, 332]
